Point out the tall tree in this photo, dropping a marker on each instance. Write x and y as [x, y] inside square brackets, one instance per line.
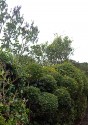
[59, 50]
[16, 34]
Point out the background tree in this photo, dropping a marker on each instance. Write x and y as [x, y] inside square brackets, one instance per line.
[38, 52]
[16, 34]
[59, 50]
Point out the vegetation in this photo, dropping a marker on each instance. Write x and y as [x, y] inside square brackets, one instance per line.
[37, 94]
[39, 85]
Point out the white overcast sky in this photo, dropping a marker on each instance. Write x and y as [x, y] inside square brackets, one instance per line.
[65, 17]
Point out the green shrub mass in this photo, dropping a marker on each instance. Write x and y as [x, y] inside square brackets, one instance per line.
[32, 94]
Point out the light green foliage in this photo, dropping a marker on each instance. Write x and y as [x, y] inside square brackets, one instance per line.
[38, 52]
[21, 64]
[59, 50]
[18, 112]
[49, 70]
[6, 56]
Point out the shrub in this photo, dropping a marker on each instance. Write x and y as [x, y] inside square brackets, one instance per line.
[2, 120]
[76, 83]
[65, 107]
[48, 102]
[32, 94]
[71, 85]
[47, 83]
[64, 99]
[43, 106]
[35, 72]
[67, 69]
[48, 108]
[50, 70]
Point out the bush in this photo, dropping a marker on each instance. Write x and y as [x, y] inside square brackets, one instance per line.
[65, 107]
[64, 99]
[48, 108]
[32, 94]
[76, 83]
[2, 120]
[71, 85]
[47, 83]
[35, 72]
[48, 102]
[43, 106]
[49, 70]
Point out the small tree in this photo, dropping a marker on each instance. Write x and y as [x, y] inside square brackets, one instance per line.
[59, 50]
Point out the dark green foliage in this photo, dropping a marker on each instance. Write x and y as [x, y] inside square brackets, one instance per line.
[32, 94]
[65, 106]
[71, 85]
[48, 108]
[76, 83]
[39, 94]
[35, 72]
[47, 83]
[45, 104]
[64, 99]
[48, 102]
[64, 103]
[67, 69]
[82, 66]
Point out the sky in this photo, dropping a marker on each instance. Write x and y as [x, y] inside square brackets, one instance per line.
[64, 17]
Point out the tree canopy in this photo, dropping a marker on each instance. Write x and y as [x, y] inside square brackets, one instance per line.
[59, 50]
[16, 35]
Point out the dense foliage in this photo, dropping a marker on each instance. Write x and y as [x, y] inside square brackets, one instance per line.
[38, 85]
[40, 95]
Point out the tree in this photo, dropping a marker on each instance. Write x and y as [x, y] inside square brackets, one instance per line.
[16, 34]
[38, 52]
[59, 50]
